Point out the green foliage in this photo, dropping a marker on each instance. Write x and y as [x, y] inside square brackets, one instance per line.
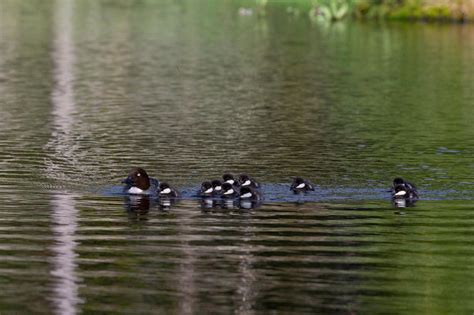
[330, 10]
[334, 10]
[419, 12]
[261, 7]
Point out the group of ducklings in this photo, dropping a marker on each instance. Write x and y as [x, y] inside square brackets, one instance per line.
[244, 187]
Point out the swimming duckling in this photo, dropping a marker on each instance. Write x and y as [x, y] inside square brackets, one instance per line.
[250, 193]
[206, 189]
[246, 180]
[229, 191]
[402, 189]
[229, 178]
[166, 190]
[301, 185]
[217, 187]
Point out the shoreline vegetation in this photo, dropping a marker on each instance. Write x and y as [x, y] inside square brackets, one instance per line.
[452, 11]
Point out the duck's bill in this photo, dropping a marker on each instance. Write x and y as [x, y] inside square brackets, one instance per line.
[127, 181]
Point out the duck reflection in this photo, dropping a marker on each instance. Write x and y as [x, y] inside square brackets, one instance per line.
[166, 203]
[403, 202]
[138, 204]
[208, 204]
[249, 204]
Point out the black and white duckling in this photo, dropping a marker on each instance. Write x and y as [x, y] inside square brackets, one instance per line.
[139, 183]
[206, 189]
[402, 189]
[167, 191]
[217, 187]
[250, 193]
[246, 180]
[229, 191]
[229, 178]
[301, 185]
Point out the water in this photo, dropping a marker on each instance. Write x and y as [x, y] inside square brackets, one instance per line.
[190, 90]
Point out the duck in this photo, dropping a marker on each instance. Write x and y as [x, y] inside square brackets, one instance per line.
[139, 183]
[217, 187]
[246, 180]
[229, 178]
[301, 185]
[165, 190]
[402, 189]
[229, 191]
[250, 193]
[206, 189]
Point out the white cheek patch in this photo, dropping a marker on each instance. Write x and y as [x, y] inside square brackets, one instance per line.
[208, 191]
[165, 191]
[247, 195]
[401, 193]
[135, 191]
[230, 191]
[217, 188]
[301, 185]
[230, 181]
[246, 183]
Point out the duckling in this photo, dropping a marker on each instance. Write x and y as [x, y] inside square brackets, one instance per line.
[206, 189]
[217, 187]
[301, 185]
[229, 190]
[246, 180]
[403, 189]
[229, 178]
[250, 193]
[166, 190]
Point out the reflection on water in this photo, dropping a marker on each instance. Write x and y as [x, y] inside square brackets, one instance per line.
[64, 257]
[190, 91]
[64, 213]
[138, 203]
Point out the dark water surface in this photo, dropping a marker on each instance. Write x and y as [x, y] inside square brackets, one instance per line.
[190, 89]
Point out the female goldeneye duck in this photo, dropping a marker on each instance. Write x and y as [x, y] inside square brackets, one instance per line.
[138, 183]
[167, 191]
[217, 187]
[229, 190]
[249, 193]
[245, 180]
[403, 189]
[229, 178]
[206, 189]
[301, 185]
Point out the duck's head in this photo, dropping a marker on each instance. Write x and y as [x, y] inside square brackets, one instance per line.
[137, 178]
[217, 185]
[398, 181]
[245, 180]
[400, 191]
[298, 183]
[206, 188]
[246, 192]
[229, 178]
[227, 189]
[165, 188]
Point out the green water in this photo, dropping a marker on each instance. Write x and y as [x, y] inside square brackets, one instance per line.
[189, 90]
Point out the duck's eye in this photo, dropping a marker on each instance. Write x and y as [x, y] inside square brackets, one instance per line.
[139, 174]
